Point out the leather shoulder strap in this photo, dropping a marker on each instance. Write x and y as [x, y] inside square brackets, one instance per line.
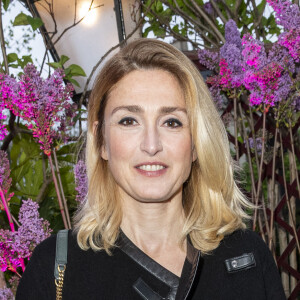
[61, 255]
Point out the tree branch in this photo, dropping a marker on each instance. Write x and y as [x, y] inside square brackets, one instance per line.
[76, 23]
[3, 48]
[216, 8]
[197, 24]
[208, 20]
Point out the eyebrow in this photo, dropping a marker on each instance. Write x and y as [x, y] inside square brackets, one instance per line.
[139, 109]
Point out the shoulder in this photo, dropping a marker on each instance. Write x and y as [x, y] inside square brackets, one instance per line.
[243, 239]
[47, 248]
[245, 266]
[241, 242]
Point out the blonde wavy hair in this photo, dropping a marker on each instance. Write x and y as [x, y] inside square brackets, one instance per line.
[212, 202]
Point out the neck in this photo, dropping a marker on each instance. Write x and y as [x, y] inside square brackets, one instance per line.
[153, 226]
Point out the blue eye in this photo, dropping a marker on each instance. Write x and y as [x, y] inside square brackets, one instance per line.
[128, 121]
[173, 123]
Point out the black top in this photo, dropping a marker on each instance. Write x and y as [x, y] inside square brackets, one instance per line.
[241, 268]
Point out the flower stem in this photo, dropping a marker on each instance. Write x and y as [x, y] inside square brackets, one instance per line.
[287, 196]
[235, 128]
[61, 189]
[11, 224]
[260, 169]
[10, 221]
[61, 207]
[272, 198]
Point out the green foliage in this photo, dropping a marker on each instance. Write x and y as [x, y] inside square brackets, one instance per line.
[15, 62]
[71, 71]
[23, 19]
[182, 20]
[6, 4]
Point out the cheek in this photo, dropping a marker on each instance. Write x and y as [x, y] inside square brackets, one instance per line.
[118, 146]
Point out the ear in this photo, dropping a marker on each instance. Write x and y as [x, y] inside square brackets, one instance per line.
[195, 156]
[95, 124]
[103, 148]
[104, 153]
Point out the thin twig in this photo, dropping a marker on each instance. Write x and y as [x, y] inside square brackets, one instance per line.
[287, 195]
[260, 167]
[201, 28]
[77, 22]
[294, 158]
[273, 188]
[3, 48]
[140, 22]
[208, 20]
[61, 207]
[218, 11]
[61, 189]
[235, 128]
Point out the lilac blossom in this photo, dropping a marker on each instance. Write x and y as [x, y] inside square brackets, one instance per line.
[258, 144]
[5, 180]
[287, 13]
[232, 34]
[253, 52]
[6, 294]
[284, 88]
[20, 244]
[231, 53]
[208, 8]
[291, 40]
[81, 181]
[209, 59]
[282, 56]
[44, 103]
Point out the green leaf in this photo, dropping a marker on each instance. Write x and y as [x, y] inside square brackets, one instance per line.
[55, 65]
[21, 19]
[75, 70]
[6, 4]
[73, 81]
[63, 59]
[11, 57]
[35, 22]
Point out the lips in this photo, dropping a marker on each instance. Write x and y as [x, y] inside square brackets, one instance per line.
[151, 169]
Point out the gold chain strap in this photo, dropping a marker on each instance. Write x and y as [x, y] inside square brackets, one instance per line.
[60, 282]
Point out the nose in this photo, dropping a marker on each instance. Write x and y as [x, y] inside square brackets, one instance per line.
[151, 143]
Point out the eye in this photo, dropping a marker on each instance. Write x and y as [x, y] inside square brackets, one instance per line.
[173, 123]
[128, 121]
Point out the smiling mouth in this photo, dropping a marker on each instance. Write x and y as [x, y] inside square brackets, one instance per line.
[151, 168]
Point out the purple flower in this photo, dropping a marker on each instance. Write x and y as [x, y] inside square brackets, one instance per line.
[233, 56]
[287, 13]
[208, 8]
[282, 56]
[284, 88]
[254, 54]
[5, 180]
[6, 294]
[20, 244]
[43, 103]
[209, 59]
[291, 40]
[258, 144]
[81, 181]
[232, 34]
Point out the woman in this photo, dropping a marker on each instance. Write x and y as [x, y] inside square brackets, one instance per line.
[163, 217]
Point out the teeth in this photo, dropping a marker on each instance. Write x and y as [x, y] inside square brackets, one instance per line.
[151, 167]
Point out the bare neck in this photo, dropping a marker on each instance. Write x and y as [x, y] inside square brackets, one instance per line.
[153, 226]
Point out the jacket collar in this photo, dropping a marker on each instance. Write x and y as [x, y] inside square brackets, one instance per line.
[179, 287]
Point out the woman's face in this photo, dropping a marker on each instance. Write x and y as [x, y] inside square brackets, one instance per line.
[147, 139]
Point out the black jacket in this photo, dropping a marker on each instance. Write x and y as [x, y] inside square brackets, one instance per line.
[241, 268]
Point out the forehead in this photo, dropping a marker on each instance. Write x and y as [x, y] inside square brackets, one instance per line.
[148, 88]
